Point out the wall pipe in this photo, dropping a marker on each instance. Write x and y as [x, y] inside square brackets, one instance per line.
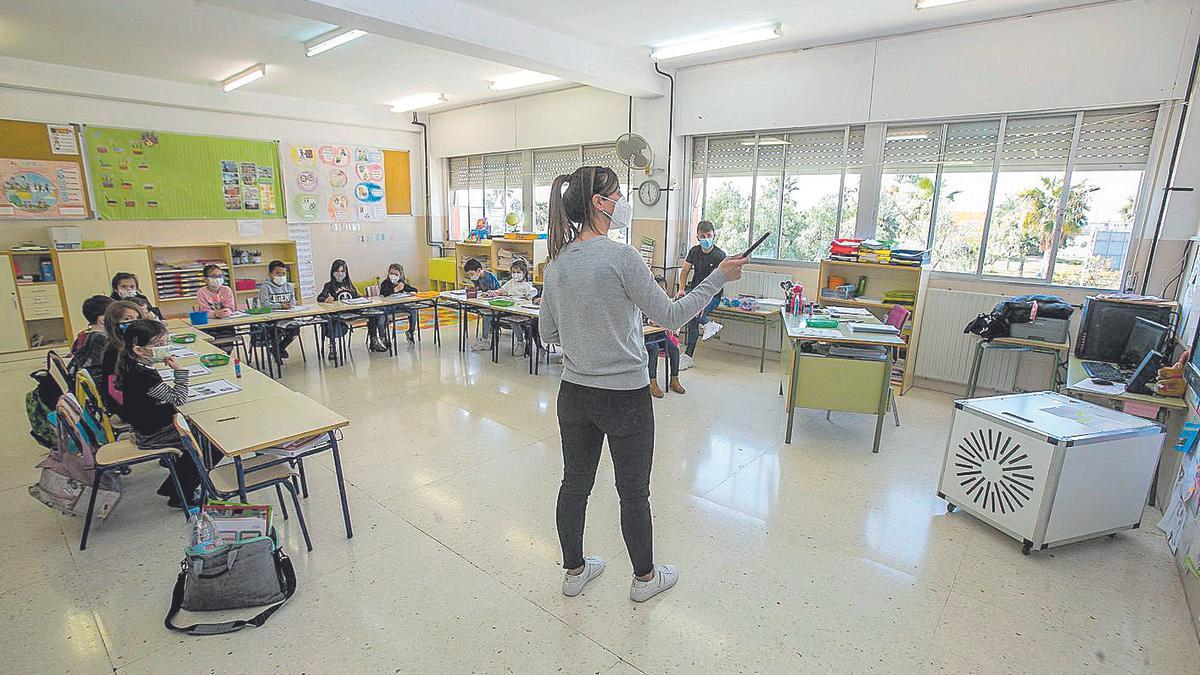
[670, 140]
[440, 246]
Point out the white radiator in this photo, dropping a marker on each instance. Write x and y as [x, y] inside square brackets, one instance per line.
[945, 352]
[760, 285]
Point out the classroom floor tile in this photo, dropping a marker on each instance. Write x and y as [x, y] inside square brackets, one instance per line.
[817, 556]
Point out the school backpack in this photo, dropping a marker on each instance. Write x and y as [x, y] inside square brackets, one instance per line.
[68, 472]
[39, 403]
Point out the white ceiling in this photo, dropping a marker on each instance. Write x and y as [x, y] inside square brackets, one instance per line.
[201, 43]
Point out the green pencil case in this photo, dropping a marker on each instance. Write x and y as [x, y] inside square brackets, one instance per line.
[822, 323]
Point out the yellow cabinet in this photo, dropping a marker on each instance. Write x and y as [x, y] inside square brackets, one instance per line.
[12, 326]
[40, 301]
[89, 272]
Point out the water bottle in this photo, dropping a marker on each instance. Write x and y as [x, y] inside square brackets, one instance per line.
[205, 536]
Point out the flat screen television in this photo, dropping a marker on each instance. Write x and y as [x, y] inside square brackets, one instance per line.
[1106, 323]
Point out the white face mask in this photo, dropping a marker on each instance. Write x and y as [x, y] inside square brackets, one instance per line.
[395, 278]
[128, 293]
[518, 277]
[216, 282]
[280, 279]
[339, 276]
[622, 215]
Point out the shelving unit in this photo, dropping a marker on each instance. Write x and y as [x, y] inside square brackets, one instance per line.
[494, 254]
[179, 273]
[880, 279]
[39, 303]
[282, 250]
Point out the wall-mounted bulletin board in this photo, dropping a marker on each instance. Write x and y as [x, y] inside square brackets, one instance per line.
[139, 174]
[333, 183]
[41, 171]
[397, 178]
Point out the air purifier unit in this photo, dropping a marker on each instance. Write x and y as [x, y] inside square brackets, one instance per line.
[1047, 469]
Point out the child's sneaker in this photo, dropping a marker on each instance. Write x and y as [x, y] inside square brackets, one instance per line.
[482, 346]
[593, 566]
[664, 578]
[686, 362]
[710, 329]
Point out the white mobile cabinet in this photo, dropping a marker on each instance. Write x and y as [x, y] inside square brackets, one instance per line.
[1047, 469]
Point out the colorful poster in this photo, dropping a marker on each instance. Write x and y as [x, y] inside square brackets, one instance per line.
[139, 175]
[32, 189]
[333, 183]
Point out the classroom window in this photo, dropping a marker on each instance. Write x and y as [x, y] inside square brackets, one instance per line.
[1049, 198]
[548, 165]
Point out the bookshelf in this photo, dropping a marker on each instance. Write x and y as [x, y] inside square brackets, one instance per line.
[880, 279]
[33, 288]
[496, 255]
[246, 275]
[179, 273]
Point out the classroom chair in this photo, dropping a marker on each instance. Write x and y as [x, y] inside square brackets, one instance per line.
[88, 395]
[896, 318]
[119, 456]
[60, 372]
[262, 471]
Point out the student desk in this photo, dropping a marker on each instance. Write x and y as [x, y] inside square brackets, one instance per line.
[845, 384]
[241, 432]
[1056, 349]
[765, 317]
[1172, 411]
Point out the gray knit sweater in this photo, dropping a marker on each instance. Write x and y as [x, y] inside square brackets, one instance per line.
[594, 296]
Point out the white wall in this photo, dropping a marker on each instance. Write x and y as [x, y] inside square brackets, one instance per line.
[399, 238]
[1118, 53]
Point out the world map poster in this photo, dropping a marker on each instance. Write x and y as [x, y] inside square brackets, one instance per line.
[139, 175]
[34, 189]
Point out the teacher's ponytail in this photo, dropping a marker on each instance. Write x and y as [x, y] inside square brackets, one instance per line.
[571, 203]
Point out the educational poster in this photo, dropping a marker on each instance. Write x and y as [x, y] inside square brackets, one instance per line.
[140, 175]
[333, 183]
[32, 189]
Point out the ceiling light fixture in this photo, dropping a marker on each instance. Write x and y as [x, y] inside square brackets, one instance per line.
[524, 78]
[766, 140]
[245, 77]
[907, 136]
[418, 101]
[926, 4]
[719, 40]
[334, 38]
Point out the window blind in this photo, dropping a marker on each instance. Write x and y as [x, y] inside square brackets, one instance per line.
[731, 156]
[971, 146]
[699, 156]
[771, 151]
[910, 149]
[514, 170]
[1037, 143]
[817, 152]
[1116, 139]
[605, 155]
[856, 149]
[550, 164]
[458, 173]
[493, 172]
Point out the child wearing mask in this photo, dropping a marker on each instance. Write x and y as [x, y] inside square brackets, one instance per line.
[703, 258]
[339, 287]
[87, 352]
[276, 292]
[117, 318]
[654, 343]
[485, 282]
[519, 286]
[125, 287]
[396, 283]
[215, 298]
[150, 403]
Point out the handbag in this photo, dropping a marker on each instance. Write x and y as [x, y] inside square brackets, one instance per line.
[248, 573]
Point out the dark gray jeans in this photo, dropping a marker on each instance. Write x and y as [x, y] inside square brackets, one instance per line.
[587, 415]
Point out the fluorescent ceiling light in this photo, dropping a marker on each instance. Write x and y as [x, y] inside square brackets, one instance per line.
[524, 78]
[720, 40]
[926, 4]
[768, 140]
[247, 76]
[418, 101]
[334, 38]
[908, 136]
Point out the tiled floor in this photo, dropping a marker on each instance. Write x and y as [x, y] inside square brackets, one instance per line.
[814, 557]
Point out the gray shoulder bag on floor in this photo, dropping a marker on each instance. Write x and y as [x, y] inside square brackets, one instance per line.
[250, 573]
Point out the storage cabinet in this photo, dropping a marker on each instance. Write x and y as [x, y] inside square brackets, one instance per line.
[89, 272]
[40, 301]
[12, 325]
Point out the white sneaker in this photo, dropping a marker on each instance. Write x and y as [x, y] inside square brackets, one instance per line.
[482, 346]
[665, 577]
[710, 329]
[686, 362]
[593, 566]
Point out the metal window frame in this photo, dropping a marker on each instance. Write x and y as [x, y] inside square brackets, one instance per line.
[991, 204]
[753, 193]
[937, 188]
[1064, 198]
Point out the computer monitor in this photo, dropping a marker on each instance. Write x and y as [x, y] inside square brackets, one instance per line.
[1145, 337]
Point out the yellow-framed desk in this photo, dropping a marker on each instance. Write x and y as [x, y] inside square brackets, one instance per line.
[1172, 411]
[764, 317]
[837, 383]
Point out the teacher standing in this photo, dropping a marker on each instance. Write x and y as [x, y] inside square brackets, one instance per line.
[595, 293]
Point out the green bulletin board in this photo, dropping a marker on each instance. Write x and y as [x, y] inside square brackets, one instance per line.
[151, 175]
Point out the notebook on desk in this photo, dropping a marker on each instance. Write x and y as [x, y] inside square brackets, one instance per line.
[880, 328]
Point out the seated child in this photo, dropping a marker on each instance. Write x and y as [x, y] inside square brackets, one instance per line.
[87, 352]
[276, 292]
[150, 403]
[117, 318]
[397, 282]
[215, 298]
[484, 281]
[654, 343]
[125, 287]
[339, 287]
[519, 286]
